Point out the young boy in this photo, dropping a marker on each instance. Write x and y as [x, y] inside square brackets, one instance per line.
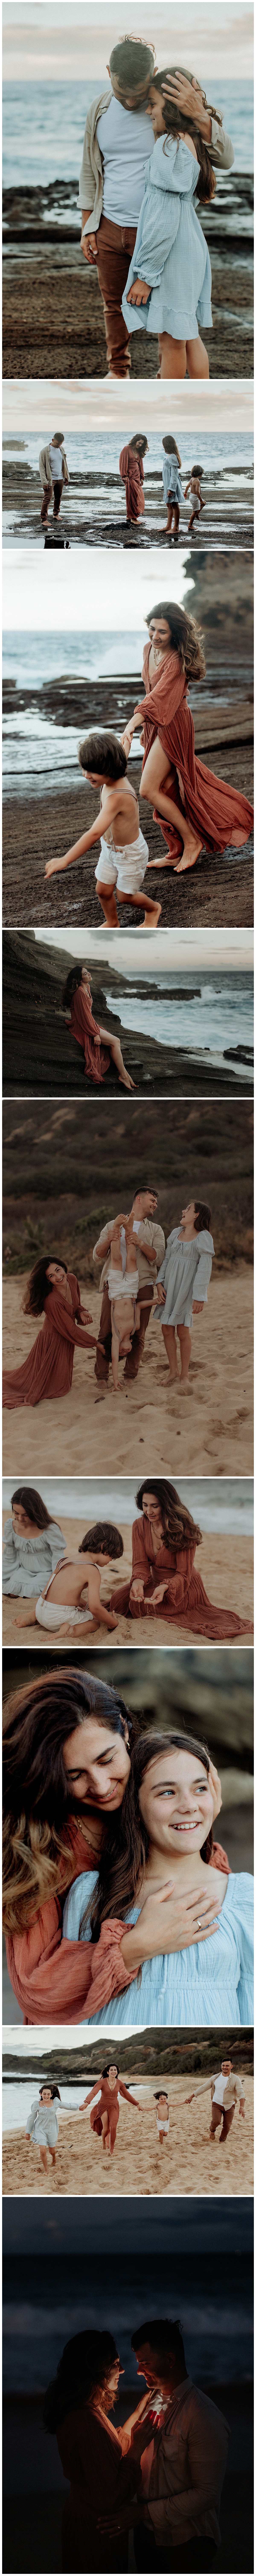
[124, 853]
[194, 486]
[58, 1606]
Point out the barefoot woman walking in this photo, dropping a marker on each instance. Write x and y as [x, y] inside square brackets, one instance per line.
[195, 809]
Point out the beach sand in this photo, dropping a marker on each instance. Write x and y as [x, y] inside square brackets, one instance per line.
[206, 1431]
[187, 2164]
[226, 1567]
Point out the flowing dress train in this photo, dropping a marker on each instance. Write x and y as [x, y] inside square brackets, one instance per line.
[216, 810]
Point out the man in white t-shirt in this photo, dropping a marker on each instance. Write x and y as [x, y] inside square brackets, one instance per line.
[226, 2089]
[117, 144]
[53, 470]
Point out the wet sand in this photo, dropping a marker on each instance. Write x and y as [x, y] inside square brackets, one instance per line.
[210, 1428]
[217, 893]
[187, 2164]
[93, 511]
[225, 1565]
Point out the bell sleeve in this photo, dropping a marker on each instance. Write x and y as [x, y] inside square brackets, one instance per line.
[140, 1561]
[157, 234]
[203, 1275]
[35, 2106]
[10, 1559]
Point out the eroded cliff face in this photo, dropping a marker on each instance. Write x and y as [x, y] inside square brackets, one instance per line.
[41, 1057]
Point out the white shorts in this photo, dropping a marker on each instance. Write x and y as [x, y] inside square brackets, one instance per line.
[123, 868]
[121, 1286]
[194, 503]
[164, 2126]
[52, 1614]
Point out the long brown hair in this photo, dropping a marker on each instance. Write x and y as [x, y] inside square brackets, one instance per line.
[120, 1876]
[185, 636]
[177, 1521]
[39, 1807]
[33, 1505]
[39, 1286]
[72, 983]
[176, 124]
[82, 2377]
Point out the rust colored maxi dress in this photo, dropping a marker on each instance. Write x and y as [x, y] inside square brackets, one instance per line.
[223, 817]
[185, 1598]
[48, 1369]
[132, 474]
[108, 2102]
[86, 1031]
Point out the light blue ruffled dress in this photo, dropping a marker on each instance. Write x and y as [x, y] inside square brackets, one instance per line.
[29, 1562]
[171, 479]
[170, 250]
[208, 1984]
[185, 1273]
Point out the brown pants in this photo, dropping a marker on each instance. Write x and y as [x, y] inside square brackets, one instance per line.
[51, 490]
[103, 1358]
[218, 2114]
[115, 244]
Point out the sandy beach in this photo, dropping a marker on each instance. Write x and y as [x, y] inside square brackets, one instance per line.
[226, 1567]
[187, 2164]
[207, 1431]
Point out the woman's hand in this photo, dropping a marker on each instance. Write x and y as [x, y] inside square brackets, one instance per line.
[137, 1588]
[138, 293]
[158, 1595]
[197, 1307]
[84, 1317]
[161, 1293]
[169, 1921]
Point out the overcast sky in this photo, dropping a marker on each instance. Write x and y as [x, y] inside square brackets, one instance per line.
[127, 2226]
[127, 407]
[178, 951]
[60, 37]
[111, 597]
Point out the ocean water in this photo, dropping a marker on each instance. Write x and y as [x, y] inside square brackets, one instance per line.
[225, 1507]
[18, 2096]
[92, 655]
[211, 2294]
[229, 453]
[44, 121]
[221, 1014]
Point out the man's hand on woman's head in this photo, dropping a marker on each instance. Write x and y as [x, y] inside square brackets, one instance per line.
[188, 97]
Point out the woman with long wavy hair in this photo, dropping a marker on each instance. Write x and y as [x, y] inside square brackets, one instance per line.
[180, 1943]
[48, 1370]
[77, 2408]
[164, 1579]
[77, 999]
[67, 1744]
[195, 810]
[33, 1542]
[169, 281]
[66, 1759]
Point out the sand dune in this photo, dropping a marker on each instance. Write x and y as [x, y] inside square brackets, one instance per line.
[226, 1566]
[208, 1431]
[187, 2164]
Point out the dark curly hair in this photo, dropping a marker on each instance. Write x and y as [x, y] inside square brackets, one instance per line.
[72, 983]
[39, 1286]
[82, 2378]
[185, 636]
[177, 1521]
[203, 1216]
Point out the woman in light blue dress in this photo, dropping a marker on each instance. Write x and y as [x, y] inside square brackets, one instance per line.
[178, 1924]
[169, 283]
[186, 1268]
[42, 2125]
[33, 1542]
[171, 471]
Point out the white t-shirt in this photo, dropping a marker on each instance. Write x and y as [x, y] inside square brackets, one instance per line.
[125, 140]
[220, 2089]
[56, 463]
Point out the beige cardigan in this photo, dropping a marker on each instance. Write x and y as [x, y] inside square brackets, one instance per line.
[221, 152]
[45, 468]
[234, 2090]
[147, 1269]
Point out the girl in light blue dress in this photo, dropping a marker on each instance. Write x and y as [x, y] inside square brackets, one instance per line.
[176, 1923]
[182, 1283]
[169, 283]
[171, 471]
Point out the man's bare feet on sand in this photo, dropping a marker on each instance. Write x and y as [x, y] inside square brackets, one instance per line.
[189, 857]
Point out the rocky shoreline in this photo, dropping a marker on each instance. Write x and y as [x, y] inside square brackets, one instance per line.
[53, 323]
[41, 1057]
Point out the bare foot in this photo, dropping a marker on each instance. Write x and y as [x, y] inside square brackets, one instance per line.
[185, 1384]
[126, 1080]
[161, 863]
[189, 856]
